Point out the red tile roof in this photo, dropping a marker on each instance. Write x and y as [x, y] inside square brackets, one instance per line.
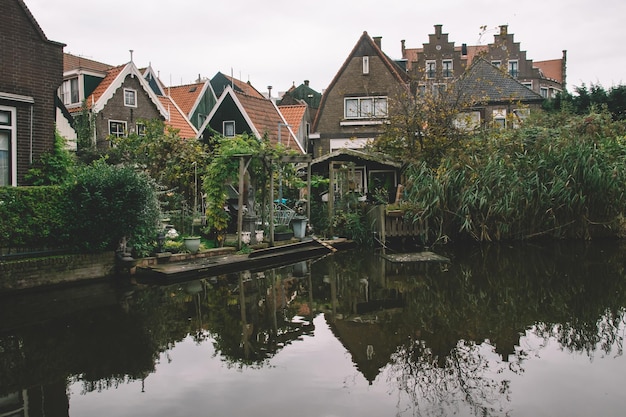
[185, 95]
[73, 62]
[177, 119]
[551, 69]
[245, 87]
[293, 114]
[266, 118]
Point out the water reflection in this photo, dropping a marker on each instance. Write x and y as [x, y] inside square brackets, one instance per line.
[441, 337]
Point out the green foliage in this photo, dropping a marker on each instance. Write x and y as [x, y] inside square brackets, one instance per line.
[563, 177]
[54, 167]
[111, 203]
[591, 99]
[84, 125]
[173, 162]
[224, 169]
[33, 217]
[422, 124]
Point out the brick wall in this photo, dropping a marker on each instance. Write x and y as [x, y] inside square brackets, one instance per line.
[40, 272]
[30, 65]
[379, 82]
[116, 110]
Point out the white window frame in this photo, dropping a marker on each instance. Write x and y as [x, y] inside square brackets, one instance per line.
[496, 63]
[431, 68]
[366, 65]
[127, 102]
[447, 70]
[66, 90]
[499, 117]
[357, 107]
[140, 129]
[228, 123]
[11, 128]
[528, 84]
[467, 121]
[118, 134]
[543, 91]
[519, 116]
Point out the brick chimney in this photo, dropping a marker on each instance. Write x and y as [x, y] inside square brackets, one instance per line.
[504, 30]
[377, 41]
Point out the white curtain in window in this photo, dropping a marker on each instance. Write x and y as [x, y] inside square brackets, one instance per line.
[5, 155]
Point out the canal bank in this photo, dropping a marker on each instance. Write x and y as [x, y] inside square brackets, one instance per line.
[67, 269]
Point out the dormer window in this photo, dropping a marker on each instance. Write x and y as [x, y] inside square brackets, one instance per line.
[366, 65]
[68, 92]
[130, 97]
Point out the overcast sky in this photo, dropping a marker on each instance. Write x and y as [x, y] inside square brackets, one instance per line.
[279, 42]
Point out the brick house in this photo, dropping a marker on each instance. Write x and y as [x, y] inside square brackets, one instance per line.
[439, 61]
[31, 70]
[353, 108]
[119, 103]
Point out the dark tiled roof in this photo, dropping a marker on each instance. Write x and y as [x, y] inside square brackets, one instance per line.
[485, 83]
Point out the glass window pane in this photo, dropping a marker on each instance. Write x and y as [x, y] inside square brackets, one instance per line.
[5, 154]
[352, 107]
[381, 107]
[367, 107]
[5, 117]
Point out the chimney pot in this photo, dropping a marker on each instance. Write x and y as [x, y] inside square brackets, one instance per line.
[306, 82]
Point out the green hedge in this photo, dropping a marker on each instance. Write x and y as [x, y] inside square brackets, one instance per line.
[33, 217]
[91, 213]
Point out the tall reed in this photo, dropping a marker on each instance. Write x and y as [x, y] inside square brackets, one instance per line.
[559, 177]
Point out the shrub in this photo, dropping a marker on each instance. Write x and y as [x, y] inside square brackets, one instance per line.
[111, 203]
[33, 217]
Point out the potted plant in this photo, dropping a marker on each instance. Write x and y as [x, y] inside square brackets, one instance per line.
[282, 232]
[192, 243]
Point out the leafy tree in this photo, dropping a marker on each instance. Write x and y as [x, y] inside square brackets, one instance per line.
[54, 167]
[591, 99]
[424, 123]
[170, 160]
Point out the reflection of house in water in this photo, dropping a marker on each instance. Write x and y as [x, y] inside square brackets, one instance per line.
[370, 344]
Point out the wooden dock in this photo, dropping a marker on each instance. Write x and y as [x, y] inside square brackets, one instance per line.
[257, 259]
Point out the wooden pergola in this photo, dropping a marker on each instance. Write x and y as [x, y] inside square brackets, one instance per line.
[244, 162]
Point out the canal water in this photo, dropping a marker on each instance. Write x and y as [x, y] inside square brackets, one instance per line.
[524, 330]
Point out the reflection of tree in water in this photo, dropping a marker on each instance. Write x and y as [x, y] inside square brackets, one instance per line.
[466, 378]
[257, 315]
[573, 292]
